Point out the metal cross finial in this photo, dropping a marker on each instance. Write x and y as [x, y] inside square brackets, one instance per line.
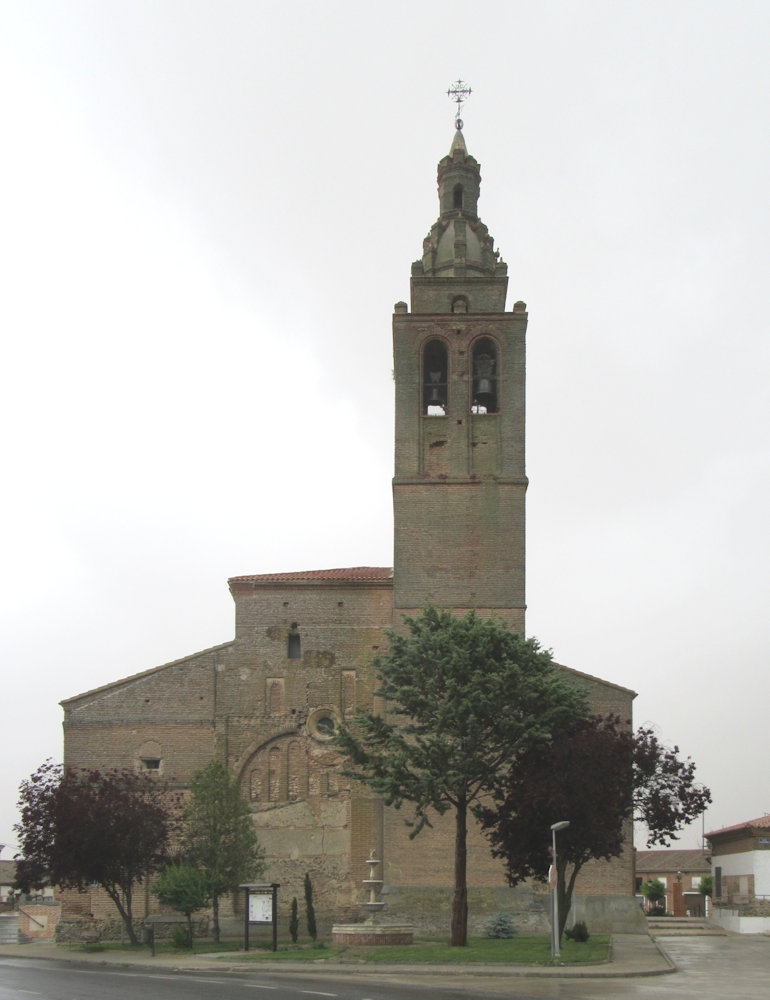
[459, 92]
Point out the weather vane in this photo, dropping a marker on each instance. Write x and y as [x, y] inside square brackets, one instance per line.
[459, 92]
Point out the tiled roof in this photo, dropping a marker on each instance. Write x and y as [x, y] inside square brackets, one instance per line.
[671, 861]
[762, 823]
[593, 677]
[352, 573]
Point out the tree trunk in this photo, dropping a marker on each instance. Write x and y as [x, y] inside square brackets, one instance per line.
[189, 930]
[124, 911]
[215, 908]
[564, 890]
[459, 928]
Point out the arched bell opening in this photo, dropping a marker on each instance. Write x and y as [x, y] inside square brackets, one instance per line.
[485, 369]
[435, 379]
[457, 196]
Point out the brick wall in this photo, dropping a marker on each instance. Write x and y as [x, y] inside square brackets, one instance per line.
[37, 921]
[258, 705]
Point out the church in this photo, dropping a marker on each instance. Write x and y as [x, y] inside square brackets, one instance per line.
[267, 701]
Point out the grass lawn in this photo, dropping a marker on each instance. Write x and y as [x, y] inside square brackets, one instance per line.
[202, 947]
[523, 950]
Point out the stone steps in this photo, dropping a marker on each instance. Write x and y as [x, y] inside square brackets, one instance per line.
[678, 926]
[9, 928]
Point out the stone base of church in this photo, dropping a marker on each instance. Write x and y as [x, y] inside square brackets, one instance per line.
[372, 934]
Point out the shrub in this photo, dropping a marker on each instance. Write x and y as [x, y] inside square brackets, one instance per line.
[579, 932]
[180, 937]
[500, 925]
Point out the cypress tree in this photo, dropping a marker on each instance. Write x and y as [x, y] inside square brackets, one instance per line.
[311, 927]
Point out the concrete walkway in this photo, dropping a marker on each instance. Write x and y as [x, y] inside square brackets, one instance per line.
[631, 955]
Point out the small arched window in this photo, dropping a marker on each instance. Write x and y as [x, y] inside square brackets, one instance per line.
[457, 196]
[485, 377]
[435, 385]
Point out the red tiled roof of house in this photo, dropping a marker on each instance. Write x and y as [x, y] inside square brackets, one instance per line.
[650, 862]
[762, 823]
[351, 573]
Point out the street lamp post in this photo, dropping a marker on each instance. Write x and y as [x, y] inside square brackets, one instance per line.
[555, 953]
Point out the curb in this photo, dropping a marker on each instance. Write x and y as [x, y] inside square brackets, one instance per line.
[651, 960]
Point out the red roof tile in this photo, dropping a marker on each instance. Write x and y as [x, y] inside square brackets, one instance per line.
[763, 823]
[650, 862]
[352, 573]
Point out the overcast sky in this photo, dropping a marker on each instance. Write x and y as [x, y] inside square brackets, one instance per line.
[208, 212]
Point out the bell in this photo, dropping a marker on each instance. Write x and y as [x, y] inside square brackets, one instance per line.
[484, 367]
[435, 393]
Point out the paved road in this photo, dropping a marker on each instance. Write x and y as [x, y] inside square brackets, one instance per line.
[709, 968]
[22, 979]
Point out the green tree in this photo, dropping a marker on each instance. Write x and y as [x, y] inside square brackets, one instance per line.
[219, 836]
[80, 827]
[184, 889]
[294, 920]
[309, 908]
[598, 775]
[464, 696]
[706, 886]
[654, 892]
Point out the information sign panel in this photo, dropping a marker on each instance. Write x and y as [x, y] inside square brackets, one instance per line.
[260, 907]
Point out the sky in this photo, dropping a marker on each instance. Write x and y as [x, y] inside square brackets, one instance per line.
[207, 212]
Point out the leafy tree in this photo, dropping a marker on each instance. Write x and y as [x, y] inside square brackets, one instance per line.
[309, 908]
[83, 827]
[184, 889]
[598, 775]
[706, 886]
[464, 696]
[219, 836]
[294, 920]
[666, 795]
[654, 892]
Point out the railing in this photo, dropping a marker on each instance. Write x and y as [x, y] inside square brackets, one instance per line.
[30, 917]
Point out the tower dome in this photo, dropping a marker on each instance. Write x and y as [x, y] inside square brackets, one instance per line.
[459, 244]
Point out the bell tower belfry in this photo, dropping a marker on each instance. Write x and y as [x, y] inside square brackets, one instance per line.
[459, 485]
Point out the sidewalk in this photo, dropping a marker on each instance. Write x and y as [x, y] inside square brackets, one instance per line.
[631, 955]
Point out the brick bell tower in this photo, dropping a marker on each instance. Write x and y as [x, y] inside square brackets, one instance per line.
[459, 485]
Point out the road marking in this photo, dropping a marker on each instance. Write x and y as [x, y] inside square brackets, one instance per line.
[258, 986]
[215, 982]
[317, 993]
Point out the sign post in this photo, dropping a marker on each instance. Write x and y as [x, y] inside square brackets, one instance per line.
[553, 878]
[261, 908]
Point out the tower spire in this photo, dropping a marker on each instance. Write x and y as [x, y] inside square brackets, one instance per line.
[458, 244]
